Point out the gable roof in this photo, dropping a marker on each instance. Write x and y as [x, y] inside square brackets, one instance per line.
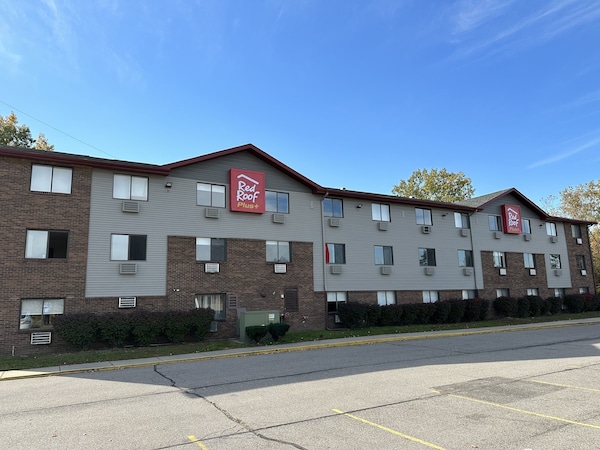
[482, 201]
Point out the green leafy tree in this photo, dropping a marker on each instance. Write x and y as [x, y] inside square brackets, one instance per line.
[438, 185]
[15, 135]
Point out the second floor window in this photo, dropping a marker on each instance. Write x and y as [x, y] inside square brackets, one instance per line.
[461, 220]
[129, 187]
[335, 253]
[423, 216]
[127, 247]
[210, 195]
[277, 202]
[499, 259]
[526, 226]
[42, 244]
[529, 260]
[551, 229]
[580, 262]
[427, 257]
[384, 255]
[51, 179]
[555, 262]
[380, 212]
[495, 223]
[575, 230]
[465, 258]
[332, 207]
[210, 249]
[278, 252]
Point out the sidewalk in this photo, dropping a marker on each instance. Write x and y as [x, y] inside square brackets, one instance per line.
[299, 346]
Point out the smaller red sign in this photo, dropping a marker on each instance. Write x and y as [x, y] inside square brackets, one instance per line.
[511, 218]
[247, 191]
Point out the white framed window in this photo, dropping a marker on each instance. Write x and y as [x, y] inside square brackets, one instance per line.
[423, 216]
[584, 290]
[465, 258]
[427, 257]
[51, 179]
[128, 247]
[495, 223]
[499, 260]
[210, 195]
[559, 292]
[461, 220]
[555, 262]
[502, 292]
[278, 251]
[386, 298]
[468, 294]
[335, 253]
[42, 244]
[278, 202]
[533, 291]
[216, 302]
[430, 296]
[333, 207]
[551, 229]
[580, 262]
[210, 249]
[384, 255]
[130, 187]
[38, 313]
[529, 260]
[526, 226]
[334, 299]
[380, 212]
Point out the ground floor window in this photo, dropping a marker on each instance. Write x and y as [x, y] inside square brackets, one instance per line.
[584, 290]
[216, 302]
[469, 293]
[39, 313]
[334, 299]
[533, 291]
[386, 298]
[430, 296]
[559, 292]
[502, 292]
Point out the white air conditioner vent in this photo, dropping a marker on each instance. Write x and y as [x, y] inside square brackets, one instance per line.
[214, 326]
[558, 272]
[502, 271]
[336, 270]
[429, 270]
[526, 237]
[211, 213]
[130, 207]
[279, 268]
[583, 272]
[553, 239]
[334, 222]
[382, 226]
[337, 319]
[579, 241]
[497, 234]
[386, 270]
[127, 302]
[128, 268]
[467, 271]
[211, 267]
[40, 337]
[464, 232]
[278, 218]
[426, 229]
[532, 272]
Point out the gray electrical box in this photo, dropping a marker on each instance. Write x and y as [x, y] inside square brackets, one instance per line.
[250, 318]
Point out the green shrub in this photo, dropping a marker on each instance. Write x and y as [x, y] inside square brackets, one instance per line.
[115, 328]
[535, 305]
[200, 321]
[176, 325]
[352, 314]
[485, 309]
[591, 302]
[147, 327]
[555, 305]
[441, 313]
[457, 311]
[506, 306]
[372, 314]
[80, 331]
[256, 332]
[409, 313]
[390, 315]
[523, 307]
[278, 330]
[574, 303]
[424, 312]
[475, 310]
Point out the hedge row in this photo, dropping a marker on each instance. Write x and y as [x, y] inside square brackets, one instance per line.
[534, 306]
[83, 331]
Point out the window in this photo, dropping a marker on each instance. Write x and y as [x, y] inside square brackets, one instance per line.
[499, 259]
[210, 195]
[495, 223]
[210, 249]
[129, 187]
[380, 212]
[526, 226]
[51, 179]
[469, 293]
[461, 220]
[533, 291]
[584, 290]
[278, 251]
[277, 202]
[427, 257]
[423, 216]
[555, 261]
[384, 255]
[332, 207]
[39, 313]
[559, 292]
[465, 258]
[126, 247]
[502, 292]
[290, 295]
[580, 262]
[216, 302]
[386, 298]
[529, 260]
[551, 229]
[575, 231]
[430, 296]
[334, 299]
[335, 253]
[42, 244]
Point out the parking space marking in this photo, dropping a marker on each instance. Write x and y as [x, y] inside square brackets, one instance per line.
[196, 441]
[579, 388]
[389, 430]
[522, 411]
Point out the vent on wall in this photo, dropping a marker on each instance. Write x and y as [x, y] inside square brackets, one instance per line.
[214, 327]
[211, 267]
[278, 218]
[579, 241]
[429, 270]
[382, 226]
[532, 272]
[497, 235]
[335, 269]
[467, 271]
[334, 222]
[386, 270]
[41, 338]
[279, 268]
[426, 229]
[130, 207]
[557, 272]
[464, 232]
[553, 239]
[583, 272]
[127, 302]
[211, 213]
[527, 237]
[502, 271]
[232, 301]
[128, 268]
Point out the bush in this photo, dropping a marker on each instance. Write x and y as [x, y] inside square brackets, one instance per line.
[256, 332]
[147, 327]
[554, 305]
[591, 302]
[535, 305]
[372, 314]
[457, 311]
[523, 307]
[278, 330]
[475, 310]
[115, 329]
[78, 330]
[441, 313]
[409, 313]
[574, 303]
[390, 315]
[352, 314]
[200, 320]
[506, 306]
[424, 312]
[177, 325]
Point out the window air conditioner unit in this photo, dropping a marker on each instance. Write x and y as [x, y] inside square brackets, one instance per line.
[557, 272]
[278, 218]
[382, 226]
[336, 270]
[527, 237]
[579, 241]
[429, 270]
[127, 302]
[128, 268]
[583, 272]
[426, 229]
[464, 232]
[279, 268]
[214, 326]
[386, 270]
[334, 222]
[41, 338]
[497, 235]
[553, 239]
[337, 319]
[467, 271]
[502, 271]
[211, 267]
[130, 207]
[532, 272]
[211, 213]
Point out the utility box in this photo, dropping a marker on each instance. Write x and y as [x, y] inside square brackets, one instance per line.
[250, 318]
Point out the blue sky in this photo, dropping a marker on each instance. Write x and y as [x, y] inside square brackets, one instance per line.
[350, 93]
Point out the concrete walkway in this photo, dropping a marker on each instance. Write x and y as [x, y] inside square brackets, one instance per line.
[299, 346]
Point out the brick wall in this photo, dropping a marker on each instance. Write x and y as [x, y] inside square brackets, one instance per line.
[577, 279]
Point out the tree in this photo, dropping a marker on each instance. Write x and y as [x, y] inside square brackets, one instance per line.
[14, 135]
[439, 185]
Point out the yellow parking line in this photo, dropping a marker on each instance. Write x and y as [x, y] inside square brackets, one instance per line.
[523, 411]
[389, 430]
[566, 386]
[195, 440]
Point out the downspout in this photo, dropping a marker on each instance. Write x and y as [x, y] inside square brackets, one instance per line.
[473, 250]
[324, 266]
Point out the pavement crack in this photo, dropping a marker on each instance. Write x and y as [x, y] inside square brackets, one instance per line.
[171, 380]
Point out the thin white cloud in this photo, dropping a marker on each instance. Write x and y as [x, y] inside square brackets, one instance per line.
[591, 143]
[474, 13]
